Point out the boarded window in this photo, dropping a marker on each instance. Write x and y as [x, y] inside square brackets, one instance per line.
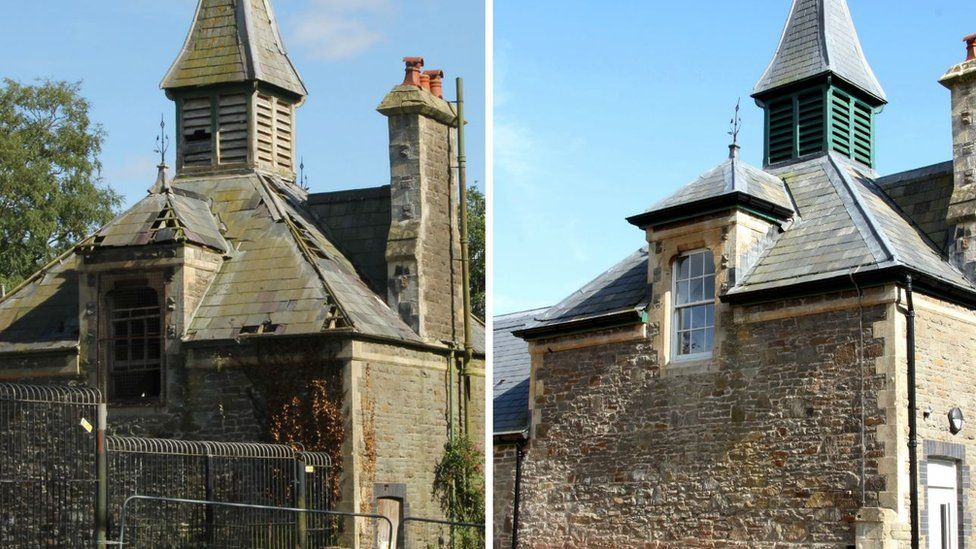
[232, 128]
[196, 132]
[694, 305]
[135, 345]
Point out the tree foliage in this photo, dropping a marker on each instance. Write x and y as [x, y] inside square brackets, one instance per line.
[51, 192]
[459, 486]
[476, 250]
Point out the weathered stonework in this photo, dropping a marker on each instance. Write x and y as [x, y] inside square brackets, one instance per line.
[961, 81]
[503, 490]
[423, 251]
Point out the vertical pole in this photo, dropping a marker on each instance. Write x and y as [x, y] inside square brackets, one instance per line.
[301, 502]
[208, 513]
[465, 256]
[912, 417]
[101, 475]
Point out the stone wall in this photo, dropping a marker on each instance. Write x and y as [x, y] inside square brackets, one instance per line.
[402, 424]
[503, 490]
[946, 378]
[763, 447]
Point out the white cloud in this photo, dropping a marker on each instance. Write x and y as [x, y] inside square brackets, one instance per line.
[335, 30]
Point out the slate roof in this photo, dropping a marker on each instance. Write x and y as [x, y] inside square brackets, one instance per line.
[170, 215]
[729, 178]
[359, 222]
[622, 289]
[42, 314]
[924, 195]
[819, 38]
[510, 375]
[847, 225]
[234, 41]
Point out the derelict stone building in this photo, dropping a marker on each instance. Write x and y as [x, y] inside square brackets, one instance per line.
[232, 304]
[746, 379]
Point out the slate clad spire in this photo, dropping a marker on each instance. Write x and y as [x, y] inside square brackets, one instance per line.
[819, 92]
[234, 41]
[236, 92]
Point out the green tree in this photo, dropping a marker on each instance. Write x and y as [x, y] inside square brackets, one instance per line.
[476, 250]
[51, 192]
[459, 486]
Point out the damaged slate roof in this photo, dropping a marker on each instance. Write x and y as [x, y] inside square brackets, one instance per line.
[234, 41]
[510, 372]
[42, 314]
[166, 215]
[622, 290]
[846, 225]
[283, 270]
[731, 181]
[819, 38]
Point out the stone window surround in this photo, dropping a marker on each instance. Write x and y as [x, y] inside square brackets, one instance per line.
[673, 312]
[156, 279]
[947, 451]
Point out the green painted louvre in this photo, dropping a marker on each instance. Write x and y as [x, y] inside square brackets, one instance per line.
[780, 137]
[810, 121]
[818, 119]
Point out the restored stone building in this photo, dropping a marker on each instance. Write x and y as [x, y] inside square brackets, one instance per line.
[232, 304]
[792, 348]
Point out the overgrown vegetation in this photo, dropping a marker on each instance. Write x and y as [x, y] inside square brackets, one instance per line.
[51, 192]
[476, 249]
[459, 486]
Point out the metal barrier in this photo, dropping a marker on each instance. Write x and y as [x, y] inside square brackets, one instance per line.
[150, 536]
[267, 475]
[48, 472]
[436, 533]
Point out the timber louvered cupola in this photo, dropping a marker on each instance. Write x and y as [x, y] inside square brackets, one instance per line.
[236, 91]
[819, 93]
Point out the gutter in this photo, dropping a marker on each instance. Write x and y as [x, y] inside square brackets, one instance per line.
[698, 208]
[610, 320]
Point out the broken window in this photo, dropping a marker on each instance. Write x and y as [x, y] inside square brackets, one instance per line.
[694, 305]
[197, 132]
[135, 345]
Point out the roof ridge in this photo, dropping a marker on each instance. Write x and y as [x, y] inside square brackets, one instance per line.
[873, 225]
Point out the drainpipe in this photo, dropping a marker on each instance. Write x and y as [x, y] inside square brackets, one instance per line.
[519, 455]
[465, 256]
[912, 420]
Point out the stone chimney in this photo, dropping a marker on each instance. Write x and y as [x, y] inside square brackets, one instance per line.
[423, 248]
[961, 81]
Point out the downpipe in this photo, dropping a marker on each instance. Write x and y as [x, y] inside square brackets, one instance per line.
[516, 503]
[912, 419]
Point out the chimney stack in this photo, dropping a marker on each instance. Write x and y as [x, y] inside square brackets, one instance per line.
[424, 244]
[961, 81]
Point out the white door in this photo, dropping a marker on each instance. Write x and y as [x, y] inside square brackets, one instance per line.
[943, 505]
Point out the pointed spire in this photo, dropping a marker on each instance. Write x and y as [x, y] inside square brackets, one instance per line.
[234, 41]
[820, 39]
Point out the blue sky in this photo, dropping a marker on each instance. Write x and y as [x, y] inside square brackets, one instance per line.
[348, 52]
[603, 108]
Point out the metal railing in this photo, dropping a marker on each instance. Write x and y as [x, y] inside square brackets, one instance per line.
[437, 533]
[151, 536]
[48, 472]
[268, 476]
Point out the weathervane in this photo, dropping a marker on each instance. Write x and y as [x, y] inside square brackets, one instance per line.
[736, 123]
[302, 178]
[162, 141]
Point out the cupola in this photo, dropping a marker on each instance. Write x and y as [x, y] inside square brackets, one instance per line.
[819, 93]
[236, 92]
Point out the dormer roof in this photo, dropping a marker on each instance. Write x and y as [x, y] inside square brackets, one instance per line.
[819, 39]
[234, 41]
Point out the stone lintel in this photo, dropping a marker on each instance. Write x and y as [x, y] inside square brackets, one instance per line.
[413, 100]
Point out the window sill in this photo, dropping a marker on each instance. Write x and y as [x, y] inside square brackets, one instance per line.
[695, 364]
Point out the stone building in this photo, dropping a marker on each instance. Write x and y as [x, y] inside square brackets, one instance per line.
[232, 304]
[790, 351]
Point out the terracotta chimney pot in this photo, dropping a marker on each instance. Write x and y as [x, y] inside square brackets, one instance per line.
[414, 64]
[436, 82]
[970, 47]
[425, 81]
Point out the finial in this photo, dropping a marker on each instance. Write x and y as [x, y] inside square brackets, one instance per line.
[162, 145]
[302, 178]
[734, 126]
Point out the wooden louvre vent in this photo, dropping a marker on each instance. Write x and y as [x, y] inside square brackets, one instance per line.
[196, 132]
[781, 130]
[232, 128]
[275, 132]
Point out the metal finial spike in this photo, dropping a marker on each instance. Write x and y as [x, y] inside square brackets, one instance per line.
[162, 141]
[736, 123]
